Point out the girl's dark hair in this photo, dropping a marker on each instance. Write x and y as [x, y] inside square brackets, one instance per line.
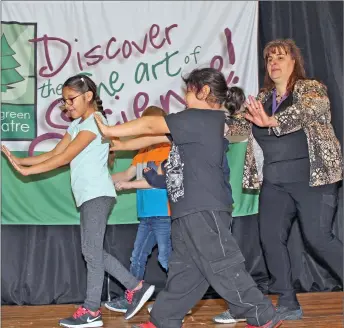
[232, 98]
[82, 83]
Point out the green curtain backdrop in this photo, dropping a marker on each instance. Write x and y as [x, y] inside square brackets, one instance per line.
[47, 199]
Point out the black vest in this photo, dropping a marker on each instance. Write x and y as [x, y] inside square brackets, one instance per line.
[286, 158]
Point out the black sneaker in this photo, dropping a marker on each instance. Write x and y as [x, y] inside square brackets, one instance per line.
[83, 318]
[137, 298]
[286, 313]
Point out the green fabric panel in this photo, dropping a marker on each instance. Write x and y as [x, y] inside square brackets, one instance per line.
[245, 201]
[47, 199]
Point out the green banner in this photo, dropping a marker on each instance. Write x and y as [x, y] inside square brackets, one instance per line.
[18, 81]
[47, 199]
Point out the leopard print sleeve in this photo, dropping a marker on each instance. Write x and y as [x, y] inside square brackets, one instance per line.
[237, 125]
[311, 104]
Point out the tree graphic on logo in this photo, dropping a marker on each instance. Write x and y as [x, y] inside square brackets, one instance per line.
[9, 75]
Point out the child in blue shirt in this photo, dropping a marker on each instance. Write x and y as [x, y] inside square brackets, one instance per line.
[152, 210]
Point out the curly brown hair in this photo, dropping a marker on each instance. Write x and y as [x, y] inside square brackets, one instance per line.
[153, 111]
[289, 47]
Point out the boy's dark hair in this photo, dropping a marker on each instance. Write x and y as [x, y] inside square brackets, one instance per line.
[232, 98]
[82, 83]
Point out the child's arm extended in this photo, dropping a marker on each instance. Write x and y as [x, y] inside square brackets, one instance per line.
[150, 125]
[125, 176]
[83, 139]
[152, 180]
[137, 184]
[33, 160]
[138, 143]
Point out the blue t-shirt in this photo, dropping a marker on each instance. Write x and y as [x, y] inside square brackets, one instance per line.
[90, 177]
[150, 202]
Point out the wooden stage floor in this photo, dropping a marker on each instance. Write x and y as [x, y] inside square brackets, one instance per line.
[321, 310]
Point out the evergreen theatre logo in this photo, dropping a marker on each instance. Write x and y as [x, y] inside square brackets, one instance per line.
[18, 81]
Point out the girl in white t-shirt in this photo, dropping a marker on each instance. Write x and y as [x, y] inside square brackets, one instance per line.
[82, 147]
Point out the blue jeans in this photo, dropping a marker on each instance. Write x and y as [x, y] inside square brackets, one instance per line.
[151, 231]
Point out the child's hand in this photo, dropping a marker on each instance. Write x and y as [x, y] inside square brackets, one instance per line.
[21, 169]
[5, 150]
[154, 179]
[123, 185]
[9, 155]
[104, 129]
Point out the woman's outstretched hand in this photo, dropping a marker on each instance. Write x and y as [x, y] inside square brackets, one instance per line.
[257, 115]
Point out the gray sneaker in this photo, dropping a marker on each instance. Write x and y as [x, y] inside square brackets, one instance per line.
[137, 299]
[119, 304]
[226, 317]
[288, 314]
[150, 308]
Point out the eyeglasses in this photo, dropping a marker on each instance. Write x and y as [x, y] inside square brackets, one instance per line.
[69, 101]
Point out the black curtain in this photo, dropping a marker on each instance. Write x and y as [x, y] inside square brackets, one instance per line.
[317, 28]
[44, 265]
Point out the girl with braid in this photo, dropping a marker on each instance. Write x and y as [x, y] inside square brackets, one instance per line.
[83, 148]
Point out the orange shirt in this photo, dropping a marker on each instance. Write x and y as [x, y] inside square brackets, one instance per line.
[157, 154]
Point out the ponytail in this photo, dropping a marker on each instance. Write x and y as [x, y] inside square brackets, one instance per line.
[234, 100]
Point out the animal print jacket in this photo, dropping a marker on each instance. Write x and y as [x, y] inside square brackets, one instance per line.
[311, 112]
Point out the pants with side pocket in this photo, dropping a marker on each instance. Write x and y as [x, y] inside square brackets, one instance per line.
[205, 253]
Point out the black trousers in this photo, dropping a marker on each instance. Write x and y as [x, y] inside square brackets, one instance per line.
[245, 230]
[205, 253]
[314, 207]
